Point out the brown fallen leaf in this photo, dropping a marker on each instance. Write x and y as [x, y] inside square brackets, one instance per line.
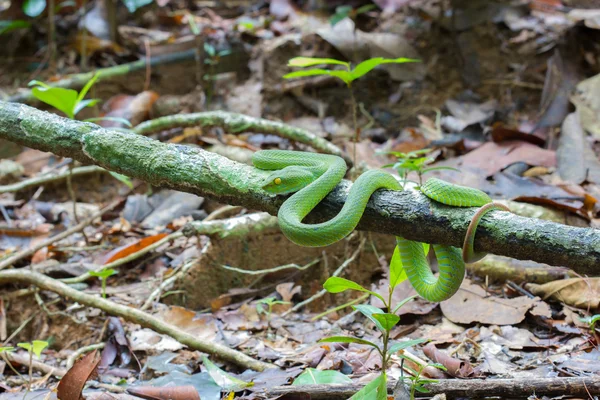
[577, 292]
[455, 367]
[134, 109]
[472, 304]
[131, 248]
[493, 157]
[71, 385]
[572, 167]
[187, 392]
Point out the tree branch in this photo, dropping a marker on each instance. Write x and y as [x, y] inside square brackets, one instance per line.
[408, 213]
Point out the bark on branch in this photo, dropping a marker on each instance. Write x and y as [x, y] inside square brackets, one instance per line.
[409, 214]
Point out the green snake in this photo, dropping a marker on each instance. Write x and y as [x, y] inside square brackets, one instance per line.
[312, 176]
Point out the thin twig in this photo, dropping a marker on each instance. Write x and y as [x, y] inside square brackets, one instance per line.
[82, 350]
[49, 178]
[133, 315]
[269, 270]
[337, 272]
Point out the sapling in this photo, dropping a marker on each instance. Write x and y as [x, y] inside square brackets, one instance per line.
[345, 74]
[103, 275]
[36, 347]
[414, 161]
[384, 322]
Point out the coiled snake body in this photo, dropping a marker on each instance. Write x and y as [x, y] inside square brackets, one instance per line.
[312, 176]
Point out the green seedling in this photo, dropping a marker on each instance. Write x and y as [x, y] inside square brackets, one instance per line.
[345, 73]
[36, 347]
[265, 306]
[384, 322]
[417, 382]
[212, 59]
[414, 161]
[69, 101]
[591, 321]
[342, 12]
[103, 275]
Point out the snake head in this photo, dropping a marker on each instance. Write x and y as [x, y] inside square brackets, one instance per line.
[287, 180]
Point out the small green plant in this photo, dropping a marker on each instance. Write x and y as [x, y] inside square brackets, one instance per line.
[36, 347]
[212, 59]
[69, 101]
[265, 306]
[414, 161]
[346, 74]
[384, 322]
[342, 12]
[591, 321]
[416, 381]
[103, 275]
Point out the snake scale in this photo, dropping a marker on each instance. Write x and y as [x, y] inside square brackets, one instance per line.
[312, 176]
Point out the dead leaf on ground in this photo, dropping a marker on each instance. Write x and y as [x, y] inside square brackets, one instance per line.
[501, 133]
[135, 109]
[71, 385]
[165, 393]
[572, 144]
[582, 293]
[587, 102]
[472, 304]
[131, 248]
[357, 45]
[493, 157]
[202, 326]
[465, 114]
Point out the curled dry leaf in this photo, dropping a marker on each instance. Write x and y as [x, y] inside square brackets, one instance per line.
[71, 385]
[457, 368]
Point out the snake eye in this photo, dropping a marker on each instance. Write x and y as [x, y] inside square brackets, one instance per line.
[277, 181]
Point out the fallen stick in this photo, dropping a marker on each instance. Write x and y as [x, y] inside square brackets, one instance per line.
[469, 388]
[133, 315]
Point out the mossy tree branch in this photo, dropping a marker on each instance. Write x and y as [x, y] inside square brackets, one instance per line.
[409, 214]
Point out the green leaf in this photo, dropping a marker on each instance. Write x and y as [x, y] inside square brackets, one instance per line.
[83, 104]
[104, 273]
[307, 72]
[133, 5]
[340, 13]
[374, 390]
[396, 347]
[59, 98]
[403, 302]
[87, 87]
[367, 65]
[310, 61]
[348, 339]
[336, 284]
[397, 272]
[33, 8]
[365, 8]
[440, 168]
[8, 26]
[387, 320]
[122, 178]
[368, 311]
[312, 376]
[37, 346]
[6, 349]
[223, 379]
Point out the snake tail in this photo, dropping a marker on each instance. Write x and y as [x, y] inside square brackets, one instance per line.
[468, 253]
[414, 262]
